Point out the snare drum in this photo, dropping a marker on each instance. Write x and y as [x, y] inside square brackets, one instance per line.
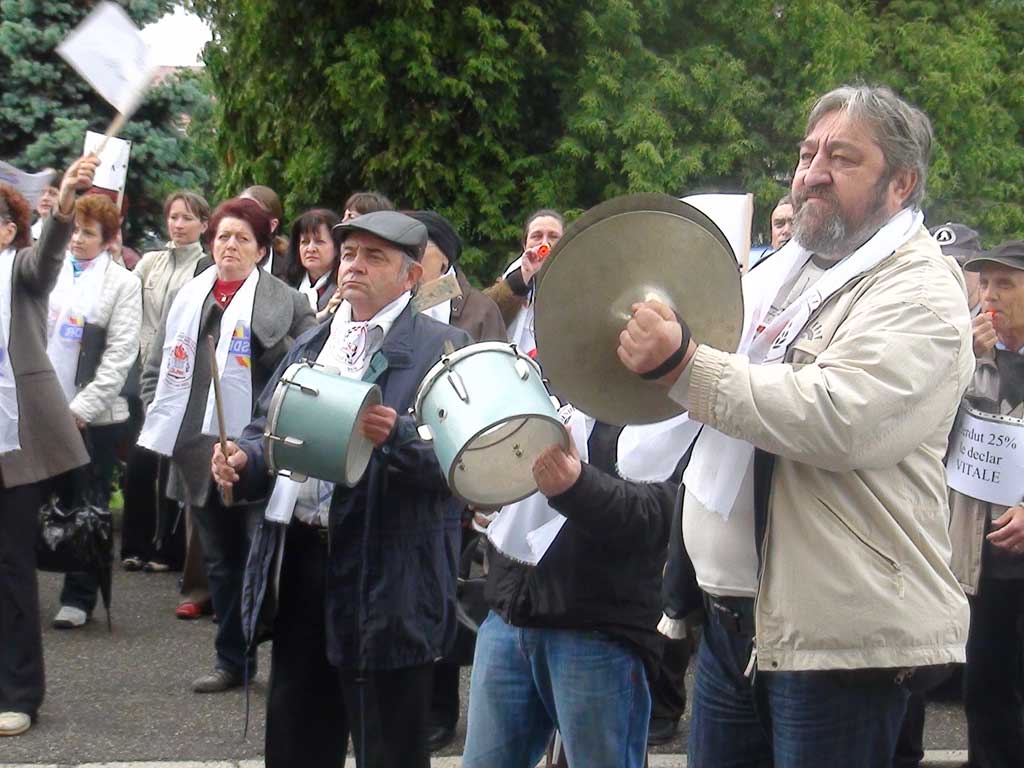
[489, 416]
[311, 425]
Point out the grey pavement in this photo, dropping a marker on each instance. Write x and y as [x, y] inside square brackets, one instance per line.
[125, 696]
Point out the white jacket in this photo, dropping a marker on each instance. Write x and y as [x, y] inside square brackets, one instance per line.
[119, 310]
[855, 559]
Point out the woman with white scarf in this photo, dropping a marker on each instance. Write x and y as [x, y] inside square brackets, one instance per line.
[38, 439]
[253, 318]
[313, 258]
[92, 290]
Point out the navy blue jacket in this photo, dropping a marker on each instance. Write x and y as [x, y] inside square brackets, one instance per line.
[394, 538]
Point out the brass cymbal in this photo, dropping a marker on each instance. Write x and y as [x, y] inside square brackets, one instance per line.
[620, 252]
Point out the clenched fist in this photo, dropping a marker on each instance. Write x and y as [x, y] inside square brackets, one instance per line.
[377, 423]
[651, 337]
[78, 178]
[984, 331]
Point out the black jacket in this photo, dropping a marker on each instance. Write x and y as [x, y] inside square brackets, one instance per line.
[603, 571]
[394, 537]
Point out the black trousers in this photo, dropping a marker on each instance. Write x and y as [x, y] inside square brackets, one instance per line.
[993, 690]
[22, 679]
[312, 707]
[153, 528]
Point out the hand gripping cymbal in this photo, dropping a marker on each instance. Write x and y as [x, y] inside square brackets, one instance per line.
[626, 250]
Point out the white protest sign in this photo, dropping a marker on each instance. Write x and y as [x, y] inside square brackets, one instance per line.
[108, 50]
[986, 457]
[114, 156]
[31, 185]
[733, 214]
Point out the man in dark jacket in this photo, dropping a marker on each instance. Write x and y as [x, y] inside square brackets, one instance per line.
[569, 643]
[366, 585]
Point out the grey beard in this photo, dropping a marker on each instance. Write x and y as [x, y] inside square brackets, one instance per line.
[832, 239]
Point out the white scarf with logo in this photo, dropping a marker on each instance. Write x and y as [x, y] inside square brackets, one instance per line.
[720, 464]
[181, 345]
[72, 304]
[8, 388]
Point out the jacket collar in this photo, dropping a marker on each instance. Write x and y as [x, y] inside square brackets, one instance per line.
[459, 302]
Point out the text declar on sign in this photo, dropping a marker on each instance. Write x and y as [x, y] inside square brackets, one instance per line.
[986, 458]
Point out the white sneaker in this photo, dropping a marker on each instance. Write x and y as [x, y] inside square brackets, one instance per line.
[14, 723]
[69, 617]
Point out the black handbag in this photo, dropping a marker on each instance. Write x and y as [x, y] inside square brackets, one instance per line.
[79, 536]
[94, 344]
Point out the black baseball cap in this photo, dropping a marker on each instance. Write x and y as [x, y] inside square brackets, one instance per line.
[957, 240]
[1009, 254]
[397, 228]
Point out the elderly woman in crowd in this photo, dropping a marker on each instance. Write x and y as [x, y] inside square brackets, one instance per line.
[93, 293]
[38, 439]
[253, 320]
[151, 536]
[313, 258]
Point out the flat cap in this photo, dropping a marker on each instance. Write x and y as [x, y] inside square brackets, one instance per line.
[957, 240]
[1009, 254]
[397, 228]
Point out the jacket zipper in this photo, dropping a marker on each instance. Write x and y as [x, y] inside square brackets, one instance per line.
[891, 561]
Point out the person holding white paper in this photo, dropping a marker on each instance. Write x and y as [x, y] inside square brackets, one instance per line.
[985, 467]
[38, 439]
[815, 504]
[253, 319]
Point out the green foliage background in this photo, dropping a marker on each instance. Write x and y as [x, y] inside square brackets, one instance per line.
[486, 110]
[46, 108]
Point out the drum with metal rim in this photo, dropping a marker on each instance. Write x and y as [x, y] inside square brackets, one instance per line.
[311, 425]
[489, 415]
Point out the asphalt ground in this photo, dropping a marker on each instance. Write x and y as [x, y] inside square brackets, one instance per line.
[125, 696]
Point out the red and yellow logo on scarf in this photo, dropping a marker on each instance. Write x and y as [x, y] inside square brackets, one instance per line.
[240, 347]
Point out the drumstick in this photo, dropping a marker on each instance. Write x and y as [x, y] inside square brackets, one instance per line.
[225, 490]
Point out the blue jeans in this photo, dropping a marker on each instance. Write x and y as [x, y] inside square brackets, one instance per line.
[528, 681]
[788, 719]
[226, 535]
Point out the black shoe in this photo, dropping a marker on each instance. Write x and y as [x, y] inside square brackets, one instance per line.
[662, 730]
[440, 736]
[217, 681]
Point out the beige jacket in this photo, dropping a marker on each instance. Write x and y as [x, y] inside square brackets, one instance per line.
[162, 273]
[855, 559]
[968, 522]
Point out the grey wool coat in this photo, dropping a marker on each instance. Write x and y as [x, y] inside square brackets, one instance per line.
[280, 314]
[50, 441]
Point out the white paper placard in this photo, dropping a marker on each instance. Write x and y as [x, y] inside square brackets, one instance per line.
[108, 50]
[986, 457]
[112, 171]
[31, 185]
[733, 213]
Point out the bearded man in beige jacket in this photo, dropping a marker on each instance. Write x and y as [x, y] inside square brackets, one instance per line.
[815, 510]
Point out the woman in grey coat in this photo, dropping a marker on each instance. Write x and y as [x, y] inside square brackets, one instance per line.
[38, 438]
[253, 319]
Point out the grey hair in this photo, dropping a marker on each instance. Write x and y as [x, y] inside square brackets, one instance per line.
[407, 263]
[903, 132]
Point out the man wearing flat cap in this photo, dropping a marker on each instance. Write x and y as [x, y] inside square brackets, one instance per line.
[985, 469]
[471, 311]
[365, 576]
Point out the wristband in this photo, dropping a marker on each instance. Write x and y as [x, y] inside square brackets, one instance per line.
[674, 359]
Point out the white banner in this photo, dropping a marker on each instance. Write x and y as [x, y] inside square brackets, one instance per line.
[108, 50]
[112, 171]
[31, 185]
[986, 457]
[733, 213]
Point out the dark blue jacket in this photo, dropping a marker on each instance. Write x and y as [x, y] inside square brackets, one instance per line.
[394, 538]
